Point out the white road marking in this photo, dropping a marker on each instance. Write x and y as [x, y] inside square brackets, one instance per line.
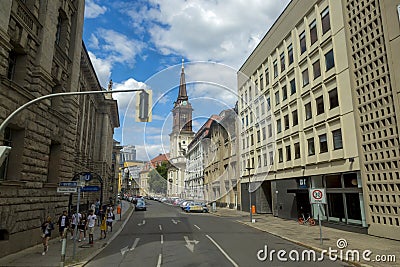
[162, 239]
[135, 243]
[197, 227]
[175, 222]
[124, 250]
[223, 252]
[190, 243]
[142, 223]
[159, 260]
[160, 227]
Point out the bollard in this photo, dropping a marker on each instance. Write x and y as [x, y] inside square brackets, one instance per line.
[63, 248]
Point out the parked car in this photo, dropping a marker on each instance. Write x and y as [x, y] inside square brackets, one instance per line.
[140, 204]
[196, 207]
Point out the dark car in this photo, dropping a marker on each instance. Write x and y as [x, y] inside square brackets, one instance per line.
[140, 204]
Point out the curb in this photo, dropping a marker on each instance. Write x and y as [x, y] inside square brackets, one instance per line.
[99, 250]
[317, 249]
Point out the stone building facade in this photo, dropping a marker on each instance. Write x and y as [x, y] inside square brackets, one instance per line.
[319, 104]
[41, 52]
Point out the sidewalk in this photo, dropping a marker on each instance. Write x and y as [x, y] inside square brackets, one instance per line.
[309, 237]
[33, 256]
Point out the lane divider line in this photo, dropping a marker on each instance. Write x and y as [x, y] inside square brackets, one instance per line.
[159, 260]
[223, 252]
[162, 239]
[135, 243]
[197, 227]
[160, 227]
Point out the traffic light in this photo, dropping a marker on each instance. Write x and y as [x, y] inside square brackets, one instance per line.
[143, 106]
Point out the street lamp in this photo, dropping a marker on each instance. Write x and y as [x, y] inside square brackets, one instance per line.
[249, 169]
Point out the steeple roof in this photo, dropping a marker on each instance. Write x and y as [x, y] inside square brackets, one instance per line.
[182, 86]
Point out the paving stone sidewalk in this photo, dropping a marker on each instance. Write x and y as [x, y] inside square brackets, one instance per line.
[309, 237]
[32, 257]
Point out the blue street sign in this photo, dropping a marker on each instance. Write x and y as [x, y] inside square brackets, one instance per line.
[68, 184]
[87, 176]
[90, 188]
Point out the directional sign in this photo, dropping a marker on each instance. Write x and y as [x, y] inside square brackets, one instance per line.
[64, 189]
[317, 196]
[68, 184]
[90, 188]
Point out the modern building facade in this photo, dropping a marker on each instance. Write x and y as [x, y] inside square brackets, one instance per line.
[128, 153]
[180, 137]
[41, 52]
[319, 107]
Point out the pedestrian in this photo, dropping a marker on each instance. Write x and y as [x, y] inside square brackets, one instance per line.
[91, 221]
[103, 227]
[76, 217]
[47, 226]
[97, 207]
[82, 227]
[101, 215]
[110, 219]
[63, 224]
[93, 207]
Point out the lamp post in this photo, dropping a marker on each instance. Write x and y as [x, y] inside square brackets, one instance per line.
[249, 169]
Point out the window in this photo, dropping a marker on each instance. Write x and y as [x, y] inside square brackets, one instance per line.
[251, 139]
[292, 86]
[264, 133]
[329, 60]
[54, 162]
[284, 93]
[316, 69]
[249, 93]
[268, 103]
[282, 61]
[326, 25]
[288, 153]
[308, 111]
[258, 136]
[278, 126]
[244, 143]
[295, 118]
[333, 98]
[275, 69]
[261, 82]
[269, 130]
[320, 105]
[265, 159]
[311, 147]
[323, 144]
[259, 161]
[305, 77]
[297, 150]
[59, 28]
[262, 108]
[271, 158]
[290, 54]
[266, 77]
[280, 154]
[302, 38]
[12, 166]
[247, 120]
[313, 32]
[277, 98]
[337, 139]
[12, 63]
[251, 117]
[286, 121]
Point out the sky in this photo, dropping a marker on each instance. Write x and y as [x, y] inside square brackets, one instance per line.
[141, 44]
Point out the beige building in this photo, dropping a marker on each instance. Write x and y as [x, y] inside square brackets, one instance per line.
[221, 175]
[41, 52]
[319, 107]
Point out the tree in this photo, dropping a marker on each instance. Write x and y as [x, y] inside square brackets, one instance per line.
[158, 178]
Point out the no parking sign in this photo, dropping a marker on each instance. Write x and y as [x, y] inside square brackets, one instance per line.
[317, 196]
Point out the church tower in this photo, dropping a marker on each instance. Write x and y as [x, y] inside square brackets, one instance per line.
[180, 137]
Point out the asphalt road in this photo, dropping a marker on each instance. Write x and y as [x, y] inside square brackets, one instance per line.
[166, 236]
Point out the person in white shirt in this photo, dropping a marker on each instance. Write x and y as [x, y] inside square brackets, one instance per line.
[74, 223]
[110, 219]
[91, 221]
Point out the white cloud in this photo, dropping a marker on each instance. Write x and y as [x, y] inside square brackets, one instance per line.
[208, 30]
[102, 68]
[93, 10]
[125, 98]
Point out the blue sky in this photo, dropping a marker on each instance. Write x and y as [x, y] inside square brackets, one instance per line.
[140, 44]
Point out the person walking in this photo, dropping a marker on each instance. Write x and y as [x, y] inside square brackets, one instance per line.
[91, 221]
[63, 224]
[76, 217]
[103, 227]
[82, 227]
[110, 219]
[47, 226]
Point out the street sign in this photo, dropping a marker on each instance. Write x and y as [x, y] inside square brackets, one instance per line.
[68, 184]
[86, 176]
[90, 188]
[317, 196]
[64, 189]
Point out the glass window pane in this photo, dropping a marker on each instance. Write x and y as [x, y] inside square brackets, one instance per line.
[329, 60]
[313, 32]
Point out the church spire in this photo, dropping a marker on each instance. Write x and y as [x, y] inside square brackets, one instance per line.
[182, 96]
